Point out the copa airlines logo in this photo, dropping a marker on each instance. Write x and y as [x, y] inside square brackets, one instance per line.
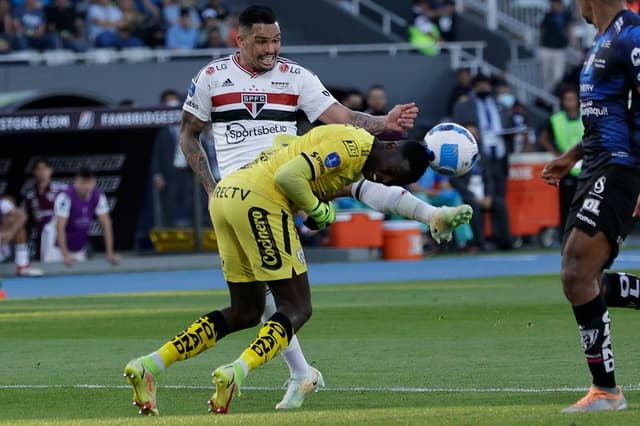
[237, 133]
[254, 102]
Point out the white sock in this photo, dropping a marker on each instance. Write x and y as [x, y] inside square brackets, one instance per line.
[292, 354]
[244, 366]
[22, 255]
[159, 362]
[392, 200]
[297, 363]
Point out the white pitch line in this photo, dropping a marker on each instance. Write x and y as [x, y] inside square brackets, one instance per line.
[336, 389]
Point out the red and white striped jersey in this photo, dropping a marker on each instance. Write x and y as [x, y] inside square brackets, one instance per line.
[248, 109]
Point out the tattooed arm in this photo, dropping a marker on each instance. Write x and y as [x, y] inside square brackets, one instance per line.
[190, 129]
[400, 118]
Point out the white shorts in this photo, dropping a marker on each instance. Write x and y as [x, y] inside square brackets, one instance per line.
[49, 251]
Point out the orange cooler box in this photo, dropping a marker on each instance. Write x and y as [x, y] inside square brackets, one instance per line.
[402, 240]
[356, 229]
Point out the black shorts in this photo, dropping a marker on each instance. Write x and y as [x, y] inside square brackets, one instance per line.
[605, 203]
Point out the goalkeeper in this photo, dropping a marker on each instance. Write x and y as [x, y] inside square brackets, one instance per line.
[252, 210]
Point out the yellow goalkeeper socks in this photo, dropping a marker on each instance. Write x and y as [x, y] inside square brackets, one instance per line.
[197, 338]
[272, 338]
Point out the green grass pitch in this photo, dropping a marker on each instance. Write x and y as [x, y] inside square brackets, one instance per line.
[502, 351]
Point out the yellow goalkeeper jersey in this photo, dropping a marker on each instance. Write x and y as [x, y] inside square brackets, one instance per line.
[335, 153]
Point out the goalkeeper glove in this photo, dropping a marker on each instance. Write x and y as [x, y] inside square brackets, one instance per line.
[321, 216]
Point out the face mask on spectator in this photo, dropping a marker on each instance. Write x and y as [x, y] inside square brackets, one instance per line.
[172, 103]
[507, 100]
[483, 94]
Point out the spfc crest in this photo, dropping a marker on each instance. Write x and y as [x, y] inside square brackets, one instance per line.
[254, 102]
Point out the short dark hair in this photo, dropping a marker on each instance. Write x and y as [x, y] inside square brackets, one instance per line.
[85, 173]
[481, 78]
[569, 88]
[419, 158]
[39, 160]
[169, 92]
[257, 14]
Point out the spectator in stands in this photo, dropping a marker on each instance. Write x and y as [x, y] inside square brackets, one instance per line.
[232, 31]
[210, 35]
[184, 35]
[436, 189]
[555, 31]
[133, 20]
[475, 188]
[519, 136]
[443, 14]
[63, 20]
[30, 28]
[38, 198]
[6, 27]
[172, 178]
[482, 111]
[424, 33]
[220, 9]
[353, 99]
[213, 39]
[103, 20]
[173, 8]
[152, 29]
[563, 130]
[376, 100]
[12, 232]
[377, 105]
[65, 237]
[461, 90]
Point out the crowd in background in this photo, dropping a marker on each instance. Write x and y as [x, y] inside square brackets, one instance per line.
[486, 105]
[80, 25]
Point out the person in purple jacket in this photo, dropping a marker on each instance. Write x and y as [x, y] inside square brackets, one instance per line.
[65, 237]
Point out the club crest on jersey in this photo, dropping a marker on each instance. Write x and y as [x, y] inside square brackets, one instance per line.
[254, 102]
[284, 67]
[635, 56]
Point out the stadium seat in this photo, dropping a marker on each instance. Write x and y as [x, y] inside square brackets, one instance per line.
[58, 57]
[137, 54]
[30, 56]
[101, 56]
[171, 240]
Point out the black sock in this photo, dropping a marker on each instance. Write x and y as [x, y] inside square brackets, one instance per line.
[622, 290]
[595, 330]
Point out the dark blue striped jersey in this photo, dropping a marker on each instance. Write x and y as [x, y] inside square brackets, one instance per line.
[609, 101]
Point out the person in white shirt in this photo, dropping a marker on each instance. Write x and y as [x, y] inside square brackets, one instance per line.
[250, 97]
[13, 231]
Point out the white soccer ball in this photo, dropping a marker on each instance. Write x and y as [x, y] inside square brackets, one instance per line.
[454, 147]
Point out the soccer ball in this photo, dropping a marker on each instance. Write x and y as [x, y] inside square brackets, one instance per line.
[454, 147]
